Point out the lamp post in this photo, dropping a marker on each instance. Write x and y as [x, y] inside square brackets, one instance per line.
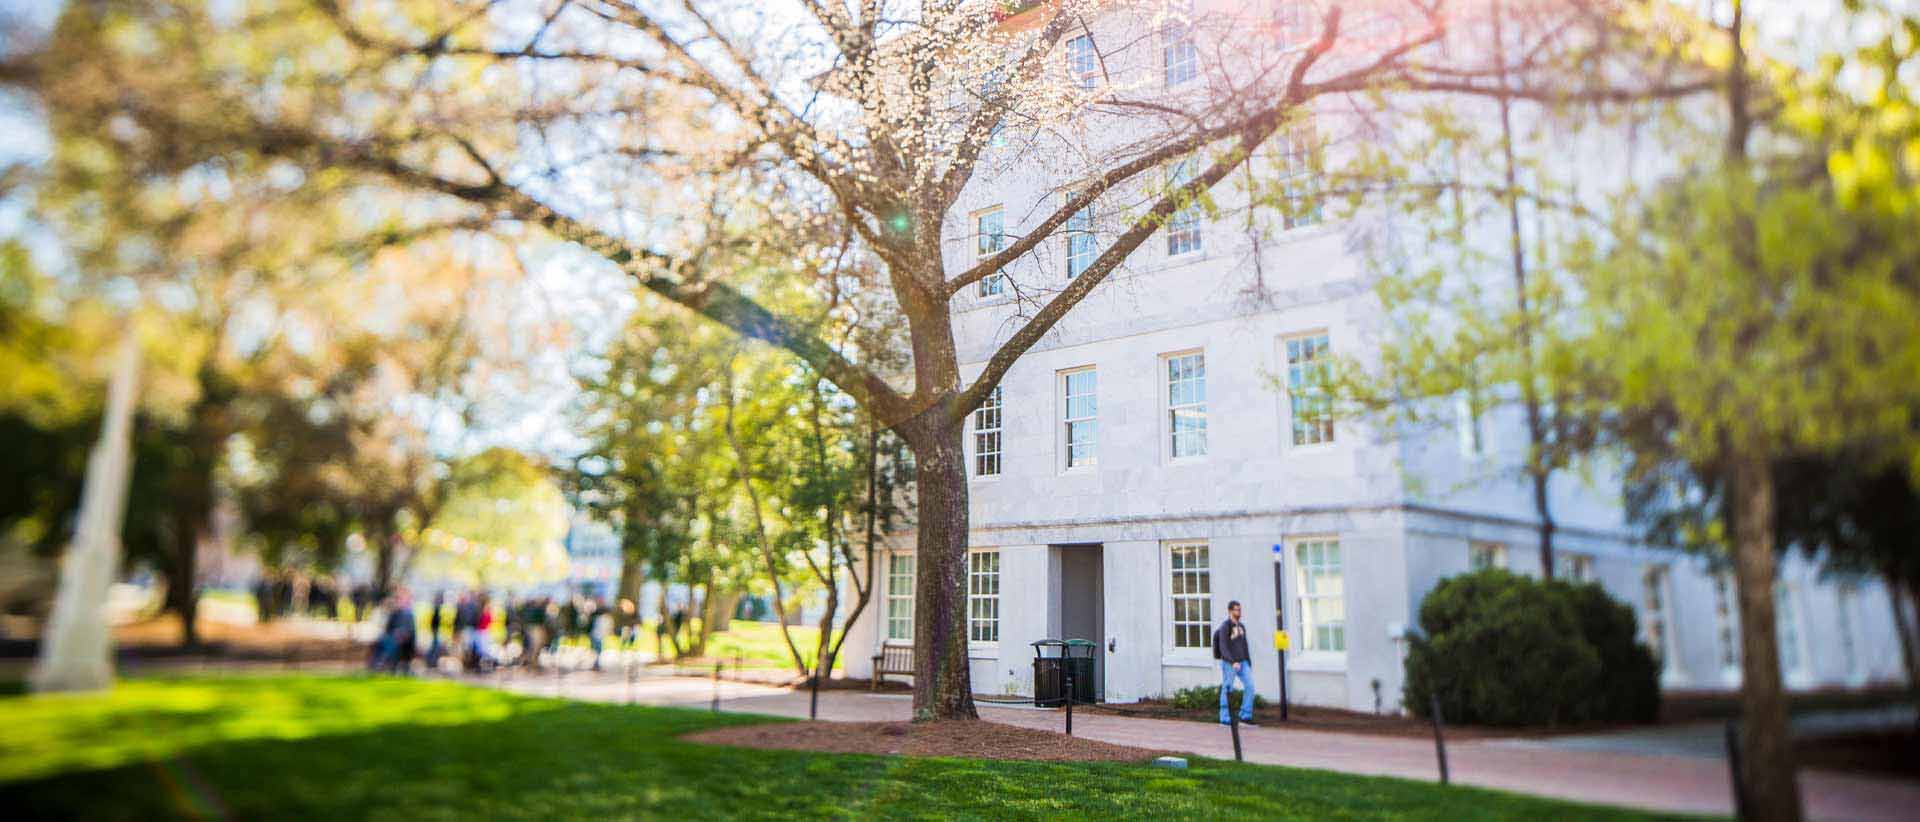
[1280, 639]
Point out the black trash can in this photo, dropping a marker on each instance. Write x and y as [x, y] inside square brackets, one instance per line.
[1080, 655]
[1049, 673]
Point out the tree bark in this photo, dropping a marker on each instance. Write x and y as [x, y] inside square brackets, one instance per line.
[76, 650]
[1766, 754]
[942, 683]
[183, 595]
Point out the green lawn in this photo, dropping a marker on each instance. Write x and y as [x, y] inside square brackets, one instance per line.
[324, 748]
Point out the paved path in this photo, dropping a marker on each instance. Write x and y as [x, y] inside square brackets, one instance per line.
[1691, 784]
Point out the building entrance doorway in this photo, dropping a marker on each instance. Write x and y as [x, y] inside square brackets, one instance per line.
[1079, 598]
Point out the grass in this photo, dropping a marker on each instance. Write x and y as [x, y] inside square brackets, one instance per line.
[301, 747]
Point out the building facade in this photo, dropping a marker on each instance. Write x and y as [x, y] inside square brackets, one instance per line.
[1163, 451]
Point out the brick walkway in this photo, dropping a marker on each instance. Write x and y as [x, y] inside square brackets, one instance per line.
[1668, 783]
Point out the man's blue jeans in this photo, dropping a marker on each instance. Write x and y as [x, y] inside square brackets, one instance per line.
[1227, 674]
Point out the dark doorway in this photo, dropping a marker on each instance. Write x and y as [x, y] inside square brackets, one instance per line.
[1081, 597]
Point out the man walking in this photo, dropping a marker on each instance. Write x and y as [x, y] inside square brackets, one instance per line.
[1230, 647]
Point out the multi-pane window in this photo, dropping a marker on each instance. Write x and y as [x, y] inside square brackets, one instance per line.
[1786, 613]
[1843, 625]
[990, 89]
[986, 436]
[1183, 227]
[1309, 366]
[1653, 614]
[1083, 61]
[990, 236]
[1081, 416]
[900, 597]
[1484, 555]
[1466, 415]
[983, 596]
[1574, 568]
[1080, 248]
[1296, 181]
[1726, 623]
[1323, 606]
[1178, 56]
[1192, 592]
[1187, 405]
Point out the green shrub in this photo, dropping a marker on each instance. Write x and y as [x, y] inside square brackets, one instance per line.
[1505, 649]
[1207, 698]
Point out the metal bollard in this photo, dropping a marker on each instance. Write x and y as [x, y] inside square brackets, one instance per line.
[633, 676]
[1233, 725]
[1069, 678]
[813, 702]
[716, 687]
[1439, 738]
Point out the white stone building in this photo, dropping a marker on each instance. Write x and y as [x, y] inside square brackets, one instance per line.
[1145, 464]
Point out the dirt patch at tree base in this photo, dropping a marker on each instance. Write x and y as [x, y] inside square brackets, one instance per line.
[973, 739]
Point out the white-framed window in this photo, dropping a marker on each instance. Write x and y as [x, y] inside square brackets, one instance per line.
[1183, 226]
[1080, 241]
[1179, 58]
[990, 237]
[900, 570]
[1726, 624]
[983, 596]
[1190, 585]
[1656, 624]
[1080, 416]
[1571, 567]
[1309, 366]
[1484, 555]
[1083, 61]
[1786, 616]
[1187, 405]
[1844, 627]
[1321, 588]
[1296, 183]
[986, 436]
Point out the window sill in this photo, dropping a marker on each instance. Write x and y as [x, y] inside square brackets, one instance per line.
[1184, 659]
[983, 650]
[985, 478]
[1313, 448]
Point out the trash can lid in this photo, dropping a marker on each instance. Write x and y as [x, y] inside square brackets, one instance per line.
[1088, 643]
[1050, 642]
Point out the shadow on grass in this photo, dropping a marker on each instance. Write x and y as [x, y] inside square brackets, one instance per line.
[555, 760]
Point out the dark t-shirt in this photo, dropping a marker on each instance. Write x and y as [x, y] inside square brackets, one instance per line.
[1230, 642]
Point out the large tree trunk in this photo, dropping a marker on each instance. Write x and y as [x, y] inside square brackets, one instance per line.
[1766, 754]
[942, 684]
[183, 590]
[1903, 597]
[76, 649]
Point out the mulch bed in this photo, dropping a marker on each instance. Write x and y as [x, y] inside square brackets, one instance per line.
[1312, 718]
[1892, 752]
[961, 738]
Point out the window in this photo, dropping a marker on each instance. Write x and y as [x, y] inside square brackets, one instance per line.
[1187, 405]
[1653, 615]
[1083, 62]
[1574, 568]
[1296, 170]
[1843, 624]
[1081, 413]
[991, 88]
[1080, 248]
[1323, 608]
[900, 597]
[1726, 624]
[990, 236]
[1183, 227]
[1192, 592]
[1179, 57]
[986, 436]
[983, 596]
[1308, 368]
[1786, 615]
[1484, 555]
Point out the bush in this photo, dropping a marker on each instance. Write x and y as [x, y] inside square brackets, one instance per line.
[1207, 698]
[1505, 649]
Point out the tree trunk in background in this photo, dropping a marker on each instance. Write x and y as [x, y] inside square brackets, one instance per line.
[183, 593]
[1766, 753]
[722, 612]
[76, 649]
[384, 546]
[942, 683]
[1906, 622]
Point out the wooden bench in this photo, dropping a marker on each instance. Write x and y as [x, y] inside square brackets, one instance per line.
[892, 659]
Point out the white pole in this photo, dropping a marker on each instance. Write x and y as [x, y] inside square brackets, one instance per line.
[76, 651]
